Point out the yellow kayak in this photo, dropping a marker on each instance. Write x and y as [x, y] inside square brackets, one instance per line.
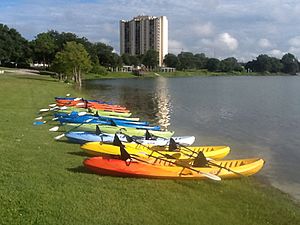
[213, 152]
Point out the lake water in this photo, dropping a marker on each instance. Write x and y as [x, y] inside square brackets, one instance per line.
[255, 116]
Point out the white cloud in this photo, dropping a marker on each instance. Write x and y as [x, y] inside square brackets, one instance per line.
[276, 53]
[202, 30]
[295, 51]
[227, 42]
[295, 41]
[264, 43]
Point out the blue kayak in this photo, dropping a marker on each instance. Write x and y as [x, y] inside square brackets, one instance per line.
[75, 118]
[82, 137]
[92, 120]
[74, 114]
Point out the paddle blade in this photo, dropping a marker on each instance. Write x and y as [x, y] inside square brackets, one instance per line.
[63, 107]
[55, 118]
[44, 110]
[68, 95]
[210, 176]
[89, 120]
[52, 105]
[77, 99]
[80, 104]
[38, 122]
[39, 118]
[54, 108]
[82, 113]
[176, 155]
[53, 129]
[59, 136]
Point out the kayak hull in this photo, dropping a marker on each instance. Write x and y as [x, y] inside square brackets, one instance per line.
[100, 112]
[99, 148]
[159, 170]
[115, 129]
[82, 137]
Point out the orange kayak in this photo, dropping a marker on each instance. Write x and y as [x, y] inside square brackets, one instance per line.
[156, 168]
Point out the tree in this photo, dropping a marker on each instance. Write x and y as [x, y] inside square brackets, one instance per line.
[126, 59]
[290, 64]
[115, 60]
[276, 65]
[150, 59]
[13, 47]
[171, 60]
[200, 61]
[187, 60]
[134, 60]
[103, 52]
[230, 64]
[263, 63]
[213, 64]
[44, 48]
[74, 60]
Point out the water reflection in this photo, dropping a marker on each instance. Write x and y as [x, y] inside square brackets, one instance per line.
[163, 102]
[150, 102]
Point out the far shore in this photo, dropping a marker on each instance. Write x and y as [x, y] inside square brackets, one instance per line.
[110, 75]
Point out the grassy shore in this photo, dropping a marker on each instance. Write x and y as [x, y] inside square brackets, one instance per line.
[44, 182]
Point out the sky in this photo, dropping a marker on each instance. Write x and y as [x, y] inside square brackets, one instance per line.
[219, 28]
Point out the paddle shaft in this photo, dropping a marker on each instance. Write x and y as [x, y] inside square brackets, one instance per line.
[211, 176]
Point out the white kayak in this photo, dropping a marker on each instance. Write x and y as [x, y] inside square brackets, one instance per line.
[82, 137]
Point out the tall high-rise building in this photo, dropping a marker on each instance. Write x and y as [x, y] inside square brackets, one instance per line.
[142, 33]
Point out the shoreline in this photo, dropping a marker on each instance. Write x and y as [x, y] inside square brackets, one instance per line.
[175, 74]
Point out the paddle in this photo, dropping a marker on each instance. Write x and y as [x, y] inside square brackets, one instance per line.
[53, 108]
[39, 122]
[126, 156]
[62, 135]
[172, 144]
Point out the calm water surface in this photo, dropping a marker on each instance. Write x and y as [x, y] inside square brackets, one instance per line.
[255, 116]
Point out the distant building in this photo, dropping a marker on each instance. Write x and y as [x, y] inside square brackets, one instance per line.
[142, 33]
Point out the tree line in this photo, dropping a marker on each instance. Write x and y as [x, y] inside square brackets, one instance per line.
[262, 64]
[69, 56]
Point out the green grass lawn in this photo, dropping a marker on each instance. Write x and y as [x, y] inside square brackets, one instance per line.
[44, 182]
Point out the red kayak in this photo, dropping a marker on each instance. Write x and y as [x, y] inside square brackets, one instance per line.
[90, 104]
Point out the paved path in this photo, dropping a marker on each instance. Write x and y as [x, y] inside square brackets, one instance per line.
[23, 71]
